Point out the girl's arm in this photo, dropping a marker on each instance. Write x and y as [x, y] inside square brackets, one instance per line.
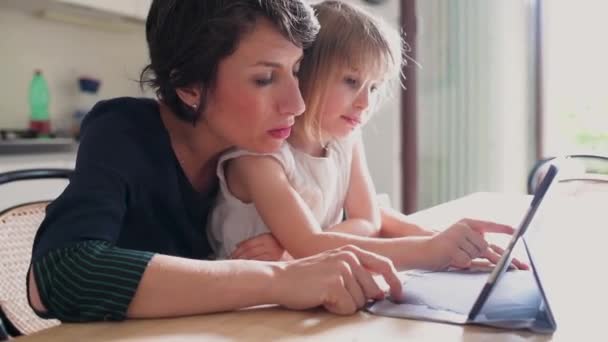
[396, 224]
[364, 217]
[262, 181]
[361, 206]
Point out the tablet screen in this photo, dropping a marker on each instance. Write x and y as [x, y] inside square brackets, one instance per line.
[506, 258]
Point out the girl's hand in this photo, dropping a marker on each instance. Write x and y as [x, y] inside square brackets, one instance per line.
[464, 241]
[262, 247]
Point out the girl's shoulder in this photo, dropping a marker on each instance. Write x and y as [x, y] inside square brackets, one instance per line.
[284, 156]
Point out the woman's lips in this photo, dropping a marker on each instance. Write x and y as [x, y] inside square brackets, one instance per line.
[280, 133]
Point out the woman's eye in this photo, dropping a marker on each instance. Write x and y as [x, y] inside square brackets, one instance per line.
[263, 81]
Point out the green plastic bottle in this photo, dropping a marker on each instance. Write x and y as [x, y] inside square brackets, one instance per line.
[39, 99]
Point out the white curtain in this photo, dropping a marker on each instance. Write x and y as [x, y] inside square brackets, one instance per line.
[475, 115]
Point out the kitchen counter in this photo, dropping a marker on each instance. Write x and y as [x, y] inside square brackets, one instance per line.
[37, 153]
[35, 146]
[54, 159]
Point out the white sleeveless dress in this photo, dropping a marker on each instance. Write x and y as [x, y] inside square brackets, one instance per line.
[321, 181]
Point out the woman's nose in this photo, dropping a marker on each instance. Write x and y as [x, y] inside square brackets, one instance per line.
[291, 102]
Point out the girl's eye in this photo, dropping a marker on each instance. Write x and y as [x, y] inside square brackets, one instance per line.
[351, 81]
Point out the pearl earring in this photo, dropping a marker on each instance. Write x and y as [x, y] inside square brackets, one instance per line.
[194, 106]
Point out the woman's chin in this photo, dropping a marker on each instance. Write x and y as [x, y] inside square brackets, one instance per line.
[268, 147]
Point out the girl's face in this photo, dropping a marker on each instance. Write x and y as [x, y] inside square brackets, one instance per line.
[256, 97]
[347, 99]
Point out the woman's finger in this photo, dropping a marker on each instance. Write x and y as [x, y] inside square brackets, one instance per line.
[367, 283]
[244, 246]
[353, 286]
[251, 242]
[339, 299]
[381, 265]
[249, 253]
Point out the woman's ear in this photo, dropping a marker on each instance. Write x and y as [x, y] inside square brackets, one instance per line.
[191, 95]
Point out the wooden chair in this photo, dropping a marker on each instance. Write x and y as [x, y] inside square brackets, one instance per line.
[3, 333]
[18, 226]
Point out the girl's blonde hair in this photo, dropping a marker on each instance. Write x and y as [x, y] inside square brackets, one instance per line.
[349, 38]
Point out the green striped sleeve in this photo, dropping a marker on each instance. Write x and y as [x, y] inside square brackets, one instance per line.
[90, 281]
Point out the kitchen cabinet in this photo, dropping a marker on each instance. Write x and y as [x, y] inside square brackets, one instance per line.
[141, 8]
[120, 7]
[137, 9]
[26, 191]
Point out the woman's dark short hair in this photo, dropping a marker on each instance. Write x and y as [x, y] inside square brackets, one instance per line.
[188, 38]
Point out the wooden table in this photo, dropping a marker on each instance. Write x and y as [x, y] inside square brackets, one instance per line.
[574, 237]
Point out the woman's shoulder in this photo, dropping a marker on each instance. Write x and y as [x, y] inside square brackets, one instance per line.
[124, 133]
[125, 122]
[121, 111]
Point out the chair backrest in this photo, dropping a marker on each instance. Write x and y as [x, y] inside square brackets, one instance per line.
[3, 334]
[580, 173]
[18, 226]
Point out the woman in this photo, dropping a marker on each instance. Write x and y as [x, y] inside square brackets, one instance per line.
[126, 238]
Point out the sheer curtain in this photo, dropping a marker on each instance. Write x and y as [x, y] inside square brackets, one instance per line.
[475, 96]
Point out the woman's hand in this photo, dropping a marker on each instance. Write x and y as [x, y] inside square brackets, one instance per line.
[340, 280]
[464, 241]
[263, 247]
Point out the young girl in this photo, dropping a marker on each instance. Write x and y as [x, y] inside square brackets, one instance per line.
[298, 194]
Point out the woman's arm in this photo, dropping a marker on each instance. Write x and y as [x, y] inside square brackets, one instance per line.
[88, 280]
[339, 280]
[173, 286]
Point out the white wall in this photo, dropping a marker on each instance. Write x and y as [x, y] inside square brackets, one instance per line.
[382, 134]
[63, 52]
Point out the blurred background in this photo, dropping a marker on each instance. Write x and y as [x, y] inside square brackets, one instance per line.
[496, 86]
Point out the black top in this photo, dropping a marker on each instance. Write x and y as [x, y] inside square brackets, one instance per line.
[128, 188]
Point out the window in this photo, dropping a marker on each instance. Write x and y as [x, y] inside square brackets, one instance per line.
[575, 66]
